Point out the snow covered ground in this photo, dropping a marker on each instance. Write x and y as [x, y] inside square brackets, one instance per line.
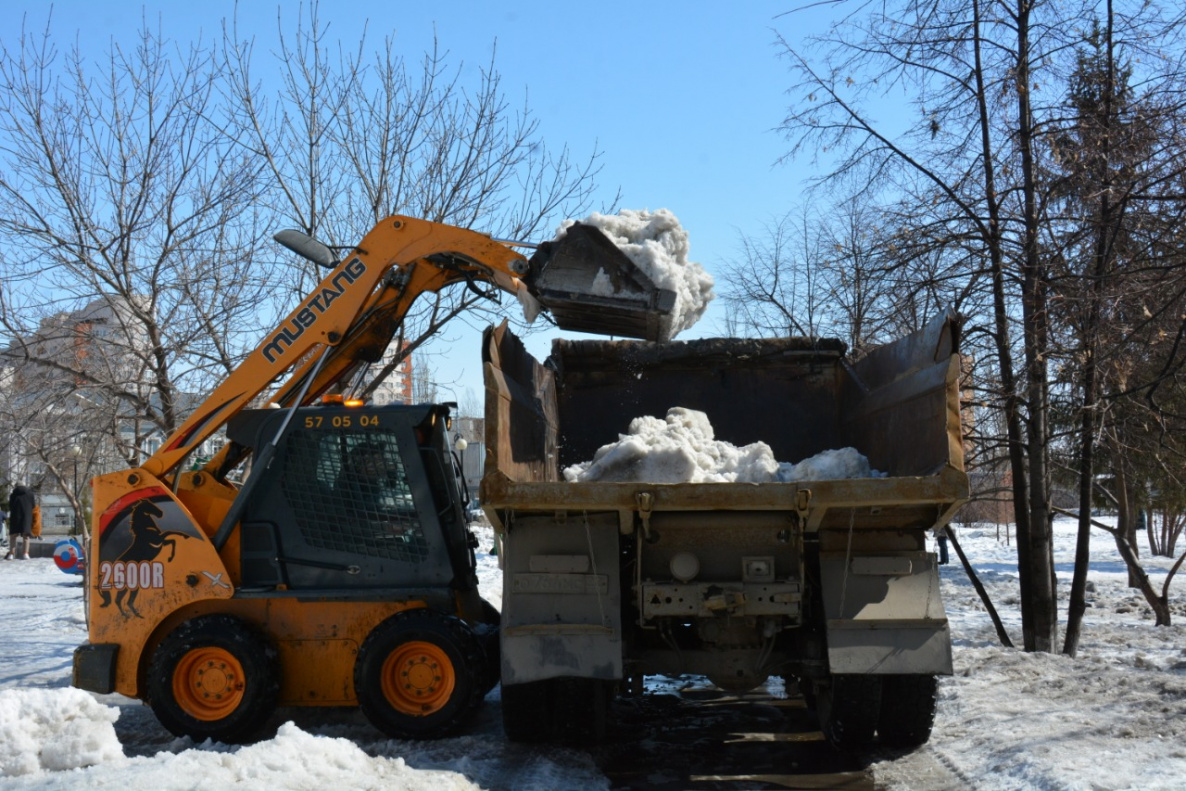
[56, 737]
[1113, 718]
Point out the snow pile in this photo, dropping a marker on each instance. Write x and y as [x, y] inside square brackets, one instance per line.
[293, 759]
[657, 244]
[682, 449]
[44, 730]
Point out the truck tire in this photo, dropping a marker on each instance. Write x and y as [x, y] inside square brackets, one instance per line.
[907, 710]
[419, 675]
[572, 710]
[848, 710]
[580, 709]
[214, 677]
[526, 711]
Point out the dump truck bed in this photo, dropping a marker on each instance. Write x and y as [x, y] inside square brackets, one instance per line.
[899, 406]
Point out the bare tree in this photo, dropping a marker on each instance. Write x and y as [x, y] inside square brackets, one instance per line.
[119, 200]
[353, 137]
[970, 174]
[1112, 265]
[424, 386]
[774, 289]
[139, 195]
[968, 160]
[856, 274]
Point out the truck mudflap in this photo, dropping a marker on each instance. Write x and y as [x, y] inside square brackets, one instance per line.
[561, 599]
[884, 614]
[94, 667]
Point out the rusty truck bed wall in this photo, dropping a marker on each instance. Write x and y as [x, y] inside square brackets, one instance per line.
[899, 406]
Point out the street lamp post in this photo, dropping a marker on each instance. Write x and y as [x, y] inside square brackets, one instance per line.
[75, 452]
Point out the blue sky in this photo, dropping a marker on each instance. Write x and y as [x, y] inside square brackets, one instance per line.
[681, 97]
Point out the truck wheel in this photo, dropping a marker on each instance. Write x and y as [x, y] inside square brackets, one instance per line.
[907, 710]
[848, 710]
[419, 675]
[214, 677]
[526, 712]
[580, 709]
[574, 710]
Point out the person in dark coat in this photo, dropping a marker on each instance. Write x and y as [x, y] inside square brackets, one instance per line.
[20, 523]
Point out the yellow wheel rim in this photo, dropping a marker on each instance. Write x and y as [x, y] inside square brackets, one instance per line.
[208, 683]
[418, 678]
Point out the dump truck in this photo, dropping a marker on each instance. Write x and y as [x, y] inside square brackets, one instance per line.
[827, 584]
[340, 571]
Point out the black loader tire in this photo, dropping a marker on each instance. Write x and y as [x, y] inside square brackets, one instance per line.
[487, 633]
[907, 710]
[419, 675]
[214, 677]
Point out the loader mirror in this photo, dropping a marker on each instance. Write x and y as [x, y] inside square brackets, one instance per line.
[307, 247]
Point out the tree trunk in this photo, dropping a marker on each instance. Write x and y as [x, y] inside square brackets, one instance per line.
[1036, 562]
[1100, 266]
[1125, 523]
[1002, 343]
[1078, 599]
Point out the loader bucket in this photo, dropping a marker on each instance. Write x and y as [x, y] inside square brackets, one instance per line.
[589, 285]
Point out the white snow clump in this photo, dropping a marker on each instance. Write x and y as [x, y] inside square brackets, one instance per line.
[658, 245]
[51, 730]
[682, 449]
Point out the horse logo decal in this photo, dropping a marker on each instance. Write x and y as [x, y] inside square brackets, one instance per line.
[131, 558]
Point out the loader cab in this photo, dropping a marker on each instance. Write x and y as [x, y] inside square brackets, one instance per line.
[356, 499]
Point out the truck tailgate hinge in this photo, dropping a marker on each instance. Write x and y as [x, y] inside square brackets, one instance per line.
[646, 502]
[803, 504]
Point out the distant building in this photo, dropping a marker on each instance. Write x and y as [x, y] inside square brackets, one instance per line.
[99, 340]
[58, 427]
[396, 388]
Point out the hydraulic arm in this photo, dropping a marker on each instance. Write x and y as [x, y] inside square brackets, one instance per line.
[349, 318]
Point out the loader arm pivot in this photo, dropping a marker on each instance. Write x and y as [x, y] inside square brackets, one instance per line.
[354, 311]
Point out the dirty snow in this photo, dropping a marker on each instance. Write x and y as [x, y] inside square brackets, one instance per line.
[658, 244]
[682, 448]
[1112, 719]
